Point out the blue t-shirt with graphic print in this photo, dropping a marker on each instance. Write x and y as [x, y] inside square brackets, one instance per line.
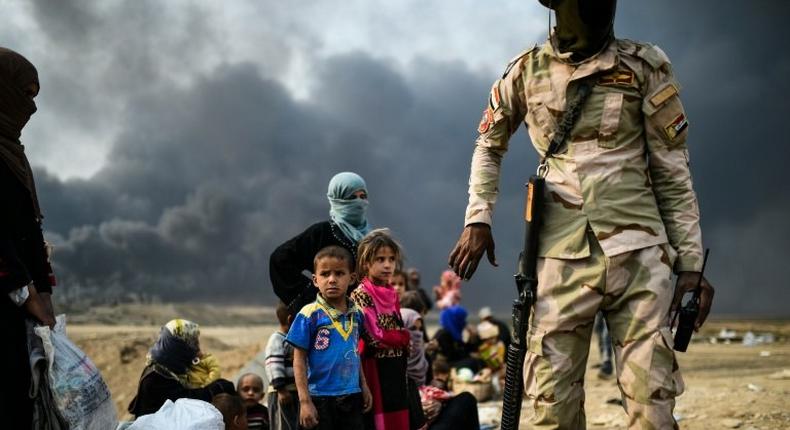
[330, 338]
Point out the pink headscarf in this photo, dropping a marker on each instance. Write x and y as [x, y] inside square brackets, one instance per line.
[385, 302]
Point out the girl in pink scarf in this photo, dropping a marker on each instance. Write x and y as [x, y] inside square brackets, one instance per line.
[385, 341]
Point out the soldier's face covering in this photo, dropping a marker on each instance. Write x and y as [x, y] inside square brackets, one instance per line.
[18, 85]
[584, 27]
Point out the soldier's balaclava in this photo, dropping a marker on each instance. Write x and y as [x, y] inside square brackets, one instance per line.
[584, 27]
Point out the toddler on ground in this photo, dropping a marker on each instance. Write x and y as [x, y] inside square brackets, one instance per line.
[250, 388]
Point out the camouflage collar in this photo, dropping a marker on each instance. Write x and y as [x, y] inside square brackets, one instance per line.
[605, 60]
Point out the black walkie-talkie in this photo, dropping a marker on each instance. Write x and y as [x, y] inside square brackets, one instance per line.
[688, 313]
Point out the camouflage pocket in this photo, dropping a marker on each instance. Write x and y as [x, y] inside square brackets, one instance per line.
[535, 340]
[540, 118]
[650, 373]
[537, 369]
[665, 380]
[662, 381]
[610, 120]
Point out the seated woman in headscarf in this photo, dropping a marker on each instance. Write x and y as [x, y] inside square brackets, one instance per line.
[348, 201]
[448, 292]
[449, 339]
[167, 371]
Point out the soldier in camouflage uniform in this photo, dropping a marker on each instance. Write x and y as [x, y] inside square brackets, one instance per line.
[620, 213]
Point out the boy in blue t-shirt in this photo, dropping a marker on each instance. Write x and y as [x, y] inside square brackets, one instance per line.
[332, 390]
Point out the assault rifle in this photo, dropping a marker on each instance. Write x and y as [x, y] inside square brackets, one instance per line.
[526, 277]
[526, 285]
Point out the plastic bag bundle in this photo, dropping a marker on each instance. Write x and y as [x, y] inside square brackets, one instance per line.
[184, 414]
[81, 395]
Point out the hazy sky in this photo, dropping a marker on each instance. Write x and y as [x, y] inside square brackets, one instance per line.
[177, 143]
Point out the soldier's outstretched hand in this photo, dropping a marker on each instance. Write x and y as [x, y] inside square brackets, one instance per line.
[474, 240]
[687, 281]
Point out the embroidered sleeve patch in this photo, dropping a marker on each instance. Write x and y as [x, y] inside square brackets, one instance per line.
[618, 77]
[486, 121]
[663, 95]
[676, 126]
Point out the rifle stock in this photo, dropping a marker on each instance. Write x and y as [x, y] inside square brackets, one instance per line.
[526, 285]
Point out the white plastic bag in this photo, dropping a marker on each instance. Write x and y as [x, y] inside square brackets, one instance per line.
[80, 393]
[184, 414]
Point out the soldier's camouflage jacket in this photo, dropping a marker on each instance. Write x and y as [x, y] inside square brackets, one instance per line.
[624, 167]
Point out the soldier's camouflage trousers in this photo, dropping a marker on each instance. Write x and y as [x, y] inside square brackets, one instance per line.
[634, 291]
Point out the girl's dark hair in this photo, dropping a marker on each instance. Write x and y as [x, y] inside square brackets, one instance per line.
[440, 365]
[371, 244]
[412, 300]
[401, 273]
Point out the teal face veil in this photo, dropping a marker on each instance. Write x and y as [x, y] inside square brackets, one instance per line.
[346, 210]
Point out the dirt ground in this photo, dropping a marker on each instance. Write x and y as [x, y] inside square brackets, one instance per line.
[727, 385]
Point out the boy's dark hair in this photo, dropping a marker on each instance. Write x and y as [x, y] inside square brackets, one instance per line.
[370, 245]
[334, 251]
[282, 313]
[230, 406]
[412, 300]
[440, 366]
[241, 378]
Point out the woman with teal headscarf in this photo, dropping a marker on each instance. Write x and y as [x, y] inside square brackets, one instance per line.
[348, 223]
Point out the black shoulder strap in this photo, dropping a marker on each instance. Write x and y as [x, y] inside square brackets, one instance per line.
[569, 118]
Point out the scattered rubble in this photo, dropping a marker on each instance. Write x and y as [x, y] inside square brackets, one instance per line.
[731, 423]
[488, 415]
[784, 374]
[727, 337]
[608, 421]
[750, 339]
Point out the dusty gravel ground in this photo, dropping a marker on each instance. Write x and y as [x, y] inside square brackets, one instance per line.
[727, 386]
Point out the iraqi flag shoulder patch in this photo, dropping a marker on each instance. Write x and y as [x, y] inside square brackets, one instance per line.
[677, 126]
